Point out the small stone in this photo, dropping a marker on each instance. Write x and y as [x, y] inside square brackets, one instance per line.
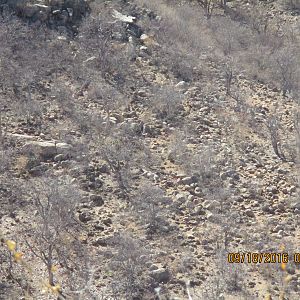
[297, 211]
[141, 93]
[100, 242]
[153, 267]
[211, 205]
[148, 130]
[272, 189]
[84, 217]
[123, 18]
[103, 168]
[38, 170]
[107, 221]
[210, 217]
[181, 198]
[96, 200]
[60, 157]
[198, 191]
[249, 213]
[281, 206]
[144, 37]
[143, 48]
[187, 180]
[161, 275]
[181, 85]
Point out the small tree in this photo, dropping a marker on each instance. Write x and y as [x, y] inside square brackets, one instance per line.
[51, 237]
[286, 68]
[273, 127]
[209, 6]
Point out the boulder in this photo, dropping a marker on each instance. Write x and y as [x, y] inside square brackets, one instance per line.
[96, 200]
[161, 275]
[123, 18]
[38, 170]
[181, 85]
[249, 213]
[61, 157]
[30, 11]
[48, 149]
[84, 217]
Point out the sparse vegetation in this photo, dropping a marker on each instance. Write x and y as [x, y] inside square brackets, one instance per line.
[141, 142]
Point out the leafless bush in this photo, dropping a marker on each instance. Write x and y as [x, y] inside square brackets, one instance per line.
[123, 151]
[273, 125]
[287, 71]
[16, 283]
[208, 6]
[52, 236]
[63, 95]
[150, 206]
[166, 102]
[205, 167]
[108, 97]
[180, 41]
[228, 278]
[129, 265]
[231, 37]
[100, 39]
[178, 150]
[28, 56]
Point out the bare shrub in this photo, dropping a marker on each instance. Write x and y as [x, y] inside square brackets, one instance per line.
[150, 205]
[129, 263]
[179, 38]
[287, 72]
[99, 38]
[123, 151]
[231, 37]
[63, 95]
[178, 150]
[52, 236]
[108, 97]
[273, 125]
[166, 102]
[205, 167]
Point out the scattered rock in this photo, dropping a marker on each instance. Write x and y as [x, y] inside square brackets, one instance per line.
[96, 200]
[181, 85]
[148, 130]
[161, 275]
[230, 174]
[107, 222]
[211, 205]
[272, 189]
[48, 149]
[123, 18]
[38, 170]
[84, 217]
[144, 37]
[61, 157]
[103, 168]
[189, 180]
[249, 213]
[100, 242]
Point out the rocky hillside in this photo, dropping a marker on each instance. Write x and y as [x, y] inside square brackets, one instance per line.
[149, 149]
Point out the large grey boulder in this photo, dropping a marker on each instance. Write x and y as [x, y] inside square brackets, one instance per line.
[161, 275]
[54, 12]
[48, 149]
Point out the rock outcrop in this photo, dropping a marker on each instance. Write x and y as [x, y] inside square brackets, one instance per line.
[54, 13]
